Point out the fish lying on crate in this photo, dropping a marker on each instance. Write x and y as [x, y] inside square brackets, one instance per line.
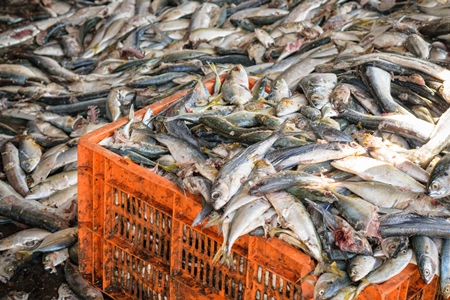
[364, 87]
[337, 186]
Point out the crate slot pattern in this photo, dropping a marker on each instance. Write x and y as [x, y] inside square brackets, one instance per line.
[136, 277]
[198, 250]
[141, 225]
[271, 286]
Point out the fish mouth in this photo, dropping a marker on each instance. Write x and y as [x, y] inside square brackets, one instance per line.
[437, 194]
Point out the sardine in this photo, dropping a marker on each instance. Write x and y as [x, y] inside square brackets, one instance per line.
[439, 183]
[14, 173]
[427, 256]
[53, 259]
[229, 178]
[296, 218]
[361, 265]
[387, 270]
[25, 239]
[444, 277]
[374, 170]
[79, 285]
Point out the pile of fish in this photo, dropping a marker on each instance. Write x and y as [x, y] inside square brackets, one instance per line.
[339, 148]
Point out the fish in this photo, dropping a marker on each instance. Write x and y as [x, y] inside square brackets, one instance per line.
[388, 269]
[79, 285]
[242, 218]
[14, 173]
[379, 81]
[444, 269]
[361, 265]
[374, 170]
[368, 82]
[32, 213]
[15, 295]
[344, 235]
[30, 153]
[65, 293]
[25, 239]
[318, 87]
[53, 184]
[53, 259]
[329, 285]
[227, 181]
[296, 218]
[10, 263]
[437, 186]
[56, 241]
[427, 256]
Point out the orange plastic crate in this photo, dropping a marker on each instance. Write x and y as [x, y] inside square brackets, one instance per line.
[136, 240]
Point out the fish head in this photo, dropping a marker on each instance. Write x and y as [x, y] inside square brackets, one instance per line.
[392, 245]
[7, 271]
[220, 194]
[8, 265]
[239, 75]
[280, 84]
[445, 290]
[356, 273]
[427, 268]
[439, 186]
[47, 260]
[360, 266]
[353, 147]
[323, 284]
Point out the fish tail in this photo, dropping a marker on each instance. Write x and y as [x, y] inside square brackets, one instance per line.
[220, 255]
[227, 258]
[131, 114]
[305, 278]
[217, 84]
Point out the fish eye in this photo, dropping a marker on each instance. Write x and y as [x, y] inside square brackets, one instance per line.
[403, 251]
[316, 97]
[321, 292]
[216, 195]
[354, 144]
[10, 270]
[435, 186]
[427, 272]
[353, 272]
[30, 243]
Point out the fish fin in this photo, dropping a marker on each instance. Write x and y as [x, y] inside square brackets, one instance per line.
[305, 278]
[335, 270]
[25, 254]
